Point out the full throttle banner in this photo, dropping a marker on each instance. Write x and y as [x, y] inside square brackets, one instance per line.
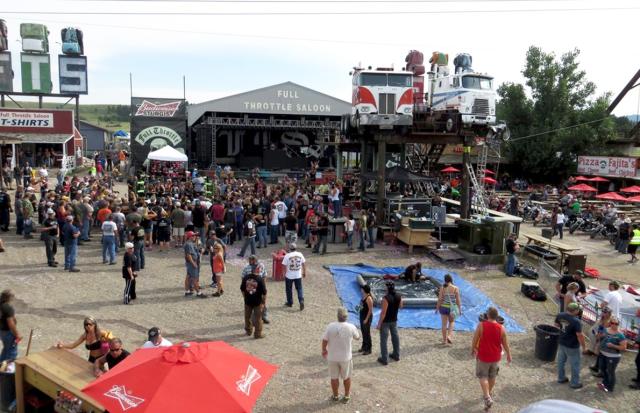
[156, 123]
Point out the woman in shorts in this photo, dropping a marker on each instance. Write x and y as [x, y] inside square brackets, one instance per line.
[449, 306]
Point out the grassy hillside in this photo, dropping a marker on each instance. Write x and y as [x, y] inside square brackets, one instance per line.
[110, 117]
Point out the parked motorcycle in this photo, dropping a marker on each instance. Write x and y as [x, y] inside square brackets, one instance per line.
[607, 230]
[582, 224]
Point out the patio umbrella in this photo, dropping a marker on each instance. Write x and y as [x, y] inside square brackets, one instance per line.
[635, 189]
[450, 169]
[611, 196]
[582, 188]
[598, 179]
[489, 180]
[489, 172]
[187, 377]
[634, 199]
[581, 178]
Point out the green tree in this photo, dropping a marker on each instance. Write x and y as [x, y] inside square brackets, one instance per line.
[559, 97]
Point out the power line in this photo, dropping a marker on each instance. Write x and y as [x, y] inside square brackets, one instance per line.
[329, 1]
[558, 129]
[249, 36]
[317, 13]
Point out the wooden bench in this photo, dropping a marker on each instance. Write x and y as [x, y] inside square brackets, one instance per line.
[564, 249]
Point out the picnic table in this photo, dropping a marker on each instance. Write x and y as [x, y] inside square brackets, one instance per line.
[564, 249]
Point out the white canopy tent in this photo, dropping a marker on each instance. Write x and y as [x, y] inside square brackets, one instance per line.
[167, 154]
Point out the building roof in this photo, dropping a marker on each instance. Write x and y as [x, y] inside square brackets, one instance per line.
[286, 98]
[93, 125]
[18, 138]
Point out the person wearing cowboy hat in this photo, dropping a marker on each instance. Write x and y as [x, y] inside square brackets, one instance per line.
[50, 232]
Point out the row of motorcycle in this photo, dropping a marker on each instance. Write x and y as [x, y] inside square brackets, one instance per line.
[598, 226]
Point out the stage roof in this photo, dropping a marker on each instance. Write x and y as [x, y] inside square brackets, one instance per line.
[286, 98]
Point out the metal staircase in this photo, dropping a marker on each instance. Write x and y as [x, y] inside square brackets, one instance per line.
[477, 200]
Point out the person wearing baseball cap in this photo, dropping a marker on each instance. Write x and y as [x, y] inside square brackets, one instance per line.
[70, 235]
[50, 231]
[192, 265]
[569, 343]
[155, 339]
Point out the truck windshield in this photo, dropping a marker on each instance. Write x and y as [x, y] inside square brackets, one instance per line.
[477, 82]
[373, 79]
[400, 80]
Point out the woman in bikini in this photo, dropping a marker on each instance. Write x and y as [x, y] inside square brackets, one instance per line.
[91, 338]
[449, 306]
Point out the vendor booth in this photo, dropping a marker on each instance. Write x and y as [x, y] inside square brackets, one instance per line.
[52, 380]
[40, 136]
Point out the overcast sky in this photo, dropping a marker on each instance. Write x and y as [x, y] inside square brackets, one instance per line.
[228, 47]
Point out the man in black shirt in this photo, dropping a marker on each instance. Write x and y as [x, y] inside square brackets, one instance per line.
[254, 292]
[291, 228]
[391, 304]
[5, 209]
[198, 216]
[511, 245]
[8, 327]
[570, 341]
[323, 232]
[561, 286]
[50, 233]
[115, 355]
[302, 208]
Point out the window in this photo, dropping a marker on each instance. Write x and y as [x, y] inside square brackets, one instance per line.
[456, 82]
[400, 80]
[477, 82]
[373, 79]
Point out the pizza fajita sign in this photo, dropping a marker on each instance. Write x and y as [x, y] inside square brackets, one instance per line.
[607, 165]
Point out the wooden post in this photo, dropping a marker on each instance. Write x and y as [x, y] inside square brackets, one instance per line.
[363, 170]
[382, 152]
[465, 196]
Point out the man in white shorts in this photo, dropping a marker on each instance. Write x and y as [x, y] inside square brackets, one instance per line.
[336, 348]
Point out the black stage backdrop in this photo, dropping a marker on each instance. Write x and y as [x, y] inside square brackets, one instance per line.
[155, 123]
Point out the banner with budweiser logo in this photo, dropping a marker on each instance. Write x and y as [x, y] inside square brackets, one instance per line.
[155, 123]
[158, 108]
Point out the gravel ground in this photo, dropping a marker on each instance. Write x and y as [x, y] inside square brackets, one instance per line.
[429, 377]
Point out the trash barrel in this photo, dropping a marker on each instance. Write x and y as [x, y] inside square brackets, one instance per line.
[277, 270]
[7, 390]
[546, 342]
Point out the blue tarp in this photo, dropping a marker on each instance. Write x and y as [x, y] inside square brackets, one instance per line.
[474, 302]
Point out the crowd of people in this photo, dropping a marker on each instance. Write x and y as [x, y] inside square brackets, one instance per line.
[182, 213]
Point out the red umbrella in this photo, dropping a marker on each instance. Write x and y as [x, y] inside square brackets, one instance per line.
[188, 377]
[611, 196]
[489, 171]
[450, 169]
[581, 178]
[598, 179]
[635, 189]
[634, 199]
[490, 180]
[582, 188]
